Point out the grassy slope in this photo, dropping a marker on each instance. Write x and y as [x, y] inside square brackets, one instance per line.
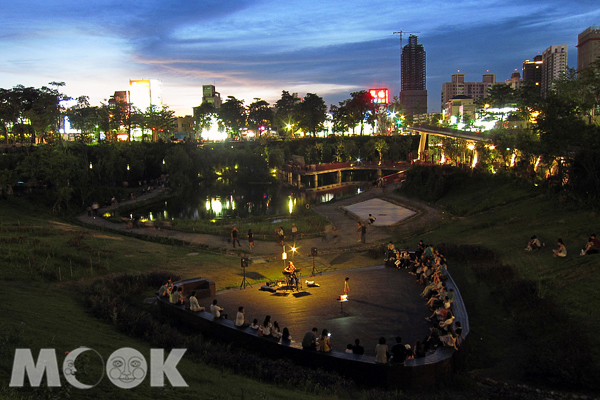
[503, 217]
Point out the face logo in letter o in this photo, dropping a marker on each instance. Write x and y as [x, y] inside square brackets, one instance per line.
[70, 371]
[126, 368]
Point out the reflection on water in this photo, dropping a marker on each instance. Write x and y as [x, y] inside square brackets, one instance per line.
[241, 201]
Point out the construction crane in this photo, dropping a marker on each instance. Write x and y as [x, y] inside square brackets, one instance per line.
[400, 33]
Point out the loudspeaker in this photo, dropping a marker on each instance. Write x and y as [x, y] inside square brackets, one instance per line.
[313, 251]
[244, 262]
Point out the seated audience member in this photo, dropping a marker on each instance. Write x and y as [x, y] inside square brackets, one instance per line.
[399, 353]
[433, 340]
[164, 290]
[177, 295]
[458, 330]
[533, 244]
[349, 348]
[240, 318]
[325, 341]
[285, 335]
[561, 251]
[381, 351]
[447, 323]
[275, 331]
[358, 349]
[254, 324]
[449, 340]
[592, 246]
[194, 306]
[410, 354]
[215, 310]
[266, 326]
[420, 350]
[309, 342]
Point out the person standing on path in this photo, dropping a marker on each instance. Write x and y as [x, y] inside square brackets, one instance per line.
[346, 286]
[250, 239]
[234, 237]
[363, 233]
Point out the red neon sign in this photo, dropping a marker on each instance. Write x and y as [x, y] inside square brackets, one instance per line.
[380, 96]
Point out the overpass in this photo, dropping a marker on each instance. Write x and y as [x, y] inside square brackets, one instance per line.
[426, 130]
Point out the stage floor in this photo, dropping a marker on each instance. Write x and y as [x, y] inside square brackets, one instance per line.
[382, 302]
[386, 213]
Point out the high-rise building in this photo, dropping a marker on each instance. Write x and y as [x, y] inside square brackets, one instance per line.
[532, 70]
[474, 90]
[554, 66]
[211, 96]
[413, 92]
[145, 92]
[588, 47]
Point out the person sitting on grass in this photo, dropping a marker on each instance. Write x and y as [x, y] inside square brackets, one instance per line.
[561, 251]
[533, 244]
[592, 246]
[194, 306]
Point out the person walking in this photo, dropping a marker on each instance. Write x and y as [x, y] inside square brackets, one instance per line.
[346, 286]
[234, 236]
[363, 233]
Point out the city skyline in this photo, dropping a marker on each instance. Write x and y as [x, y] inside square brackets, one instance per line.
[257, 49]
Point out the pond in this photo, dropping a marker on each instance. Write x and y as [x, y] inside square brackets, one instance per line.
[241, 201]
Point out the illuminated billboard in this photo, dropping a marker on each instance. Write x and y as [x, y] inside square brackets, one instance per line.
[380, 96]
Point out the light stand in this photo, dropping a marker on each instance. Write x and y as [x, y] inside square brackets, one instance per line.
[244, 264]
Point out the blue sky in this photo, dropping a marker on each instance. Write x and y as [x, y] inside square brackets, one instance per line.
[256, 49]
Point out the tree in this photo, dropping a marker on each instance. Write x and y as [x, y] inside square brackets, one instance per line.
[84, 118]
[312, 113]
[287, 113]
[232, 116]
[260, 115]
[203, 117]
[361, 109]
[381, 146]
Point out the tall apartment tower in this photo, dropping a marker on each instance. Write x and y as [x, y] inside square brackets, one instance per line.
[473, 90]
[554, 66]
[588, 47]
[532, 70]
[413, 92]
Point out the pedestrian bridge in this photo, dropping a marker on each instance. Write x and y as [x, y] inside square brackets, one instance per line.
[331, 175]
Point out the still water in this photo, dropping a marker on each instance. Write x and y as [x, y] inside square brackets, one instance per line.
[242, 201]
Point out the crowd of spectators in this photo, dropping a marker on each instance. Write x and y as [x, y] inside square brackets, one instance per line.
[430, 269]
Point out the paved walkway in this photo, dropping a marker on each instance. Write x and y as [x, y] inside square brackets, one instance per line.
[345, 221]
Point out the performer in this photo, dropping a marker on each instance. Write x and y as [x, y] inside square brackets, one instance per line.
[289, 270]
[346, 286]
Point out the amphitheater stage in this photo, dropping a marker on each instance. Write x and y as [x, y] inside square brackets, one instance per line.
[383, 302]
